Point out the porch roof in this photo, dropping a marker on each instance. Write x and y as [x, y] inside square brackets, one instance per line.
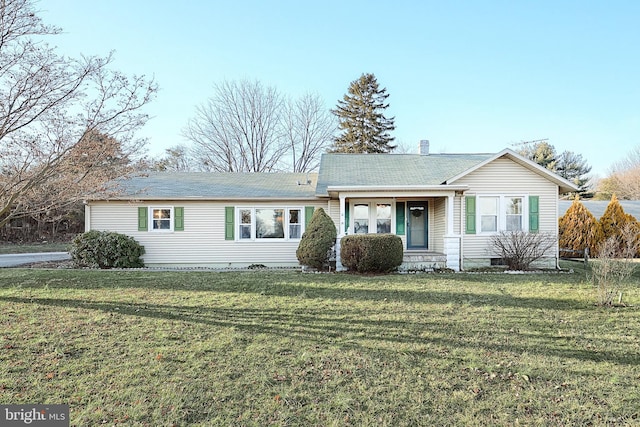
[392, 171]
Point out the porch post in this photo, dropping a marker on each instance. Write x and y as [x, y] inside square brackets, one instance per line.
[341, 233]
[450, 215]
[451, 240]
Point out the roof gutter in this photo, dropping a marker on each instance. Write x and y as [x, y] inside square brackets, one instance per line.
[400, 190]
[365, 188]
[198, 199]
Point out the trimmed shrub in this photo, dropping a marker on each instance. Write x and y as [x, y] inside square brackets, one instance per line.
[106, 249]
[318, 239]
[371, 253]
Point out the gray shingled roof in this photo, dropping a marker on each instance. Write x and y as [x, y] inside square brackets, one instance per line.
[217, 185]
[392, 169]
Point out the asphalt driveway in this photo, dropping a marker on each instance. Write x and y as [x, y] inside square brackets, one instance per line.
[16, 260]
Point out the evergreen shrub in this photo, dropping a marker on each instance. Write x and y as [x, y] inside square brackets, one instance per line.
[106, 249]
[614, 220]
[317, 242]
[371, 253]
[579, 229]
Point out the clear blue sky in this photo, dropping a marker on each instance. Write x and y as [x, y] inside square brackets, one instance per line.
[470, 76]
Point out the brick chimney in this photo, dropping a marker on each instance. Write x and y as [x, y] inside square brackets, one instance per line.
[424, 147]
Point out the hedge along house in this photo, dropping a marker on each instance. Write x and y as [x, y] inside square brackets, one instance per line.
[445, 207]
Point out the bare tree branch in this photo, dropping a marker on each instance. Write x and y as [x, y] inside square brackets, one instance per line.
[309, 129]
[51, 104]
[247, 127]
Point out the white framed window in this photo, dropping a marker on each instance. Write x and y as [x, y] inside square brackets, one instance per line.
[295, 223]
[161, 218]
[270, 223]
[246, 223]
[514, 213]
[488, 208]
[497, 213]
[361, 218]
[368, 216]
[383, 218]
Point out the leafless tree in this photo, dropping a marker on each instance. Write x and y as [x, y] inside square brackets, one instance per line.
[51, 104]
[176, 159]
[248, 127]
[309, 128]
[238, 128]
[624, 178]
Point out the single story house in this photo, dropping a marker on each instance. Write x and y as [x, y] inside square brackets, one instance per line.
[445, 207]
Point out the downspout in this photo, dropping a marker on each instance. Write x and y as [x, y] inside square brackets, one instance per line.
[341, 233]
[87, 216]
[462, 218]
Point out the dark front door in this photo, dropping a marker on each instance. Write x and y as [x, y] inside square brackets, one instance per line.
[417, 235]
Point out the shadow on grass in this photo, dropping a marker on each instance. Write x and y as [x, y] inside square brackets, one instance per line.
[352, 328]
[329, 287]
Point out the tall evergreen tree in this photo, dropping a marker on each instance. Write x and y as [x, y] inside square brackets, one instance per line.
[543, 154]
[569, 165]
[365, 129]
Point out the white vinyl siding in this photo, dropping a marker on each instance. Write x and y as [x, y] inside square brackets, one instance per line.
[437, 224]
[492, 179]
[202, 243]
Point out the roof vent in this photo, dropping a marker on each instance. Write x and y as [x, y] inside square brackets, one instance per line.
[424, 147]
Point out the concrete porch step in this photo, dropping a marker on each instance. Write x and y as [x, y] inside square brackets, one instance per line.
[422, 261]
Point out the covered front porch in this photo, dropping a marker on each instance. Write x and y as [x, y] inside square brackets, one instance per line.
[424, 218]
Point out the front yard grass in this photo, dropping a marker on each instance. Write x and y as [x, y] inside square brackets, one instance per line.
[285, 348]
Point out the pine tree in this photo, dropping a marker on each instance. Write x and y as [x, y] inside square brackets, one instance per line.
[361, 119]
[543, 154]
[579, 229]
[569, 165]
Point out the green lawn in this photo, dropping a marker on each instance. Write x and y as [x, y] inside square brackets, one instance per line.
[291, 349]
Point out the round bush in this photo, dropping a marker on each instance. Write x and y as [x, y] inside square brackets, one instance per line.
[317, 241]
[106, 249]
[371, 253]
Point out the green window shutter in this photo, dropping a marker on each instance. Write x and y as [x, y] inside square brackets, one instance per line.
[346, 217]
[178, 223]
[534, 214]
[229, 223]
[400, 218]
[470, 210]
[308, 213]
[143, 213]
